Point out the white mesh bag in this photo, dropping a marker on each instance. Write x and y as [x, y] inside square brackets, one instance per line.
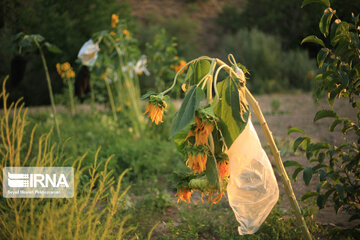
[252, 188]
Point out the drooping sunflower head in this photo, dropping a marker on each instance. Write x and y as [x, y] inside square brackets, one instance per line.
[202, 131]
[179, 66]
[223, 169]
[196, 158]
[155, 109]
[183, 194]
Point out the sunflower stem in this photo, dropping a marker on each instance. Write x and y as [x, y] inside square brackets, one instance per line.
[49, 87]
[111, 99]
[71, 96]
[279, 164]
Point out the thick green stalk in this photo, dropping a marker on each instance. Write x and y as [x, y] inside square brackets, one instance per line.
[111, 99]
[71, 96]
[132, 94]
[49, 87]
[92, 94]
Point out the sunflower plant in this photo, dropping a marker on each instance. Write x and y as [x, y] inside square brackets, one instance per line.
[119, 65]
[213, 113]
[67, 74]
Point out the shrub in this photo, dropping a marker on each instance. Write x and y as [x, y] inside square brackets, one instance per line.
[337, 166]
[271, 68]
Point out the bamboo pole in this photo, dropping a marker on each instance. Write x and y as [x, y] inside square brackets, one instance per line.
[279, 164]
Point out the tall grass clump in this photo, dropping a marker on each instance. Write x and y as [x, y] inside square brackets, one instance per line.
[95, 211]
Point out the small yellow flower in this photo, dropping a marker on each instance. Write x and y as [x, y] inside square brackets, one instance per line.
[112, 33]
[126, 33]
[114, 20]
[118, 109]
[128, 104]
[65, 66]
[118, 39]
[70, 74]
[65, 70]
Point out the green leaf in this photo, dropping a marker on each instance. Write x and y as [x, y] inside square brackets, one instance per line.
[296, 172]
[321, 56]
[187, 110]
[18, 36]
[325, 197]
[320, 201]
[340, 189]
[290, 163]
[180, 138]
[324, 114]
[147, 95]
[318, 166]
[325, 21]
[317, 146]
[218, 142]
[52, 48]
[37, 37]
[212, 172]
[227, 110]
[307, 175]
[308, 195]
[202, 68]
[306, 2]
[334, 124]
[339, 31]
[298, 130]
[189, 73]
[313, 39]
[297, 142]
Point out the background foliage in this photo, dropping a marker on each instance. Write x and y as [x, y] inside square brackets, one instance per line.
[336, 165]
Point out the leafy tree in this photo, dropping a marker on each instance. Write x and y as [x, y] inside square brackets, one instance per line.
[338, 166]
[281, 17]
